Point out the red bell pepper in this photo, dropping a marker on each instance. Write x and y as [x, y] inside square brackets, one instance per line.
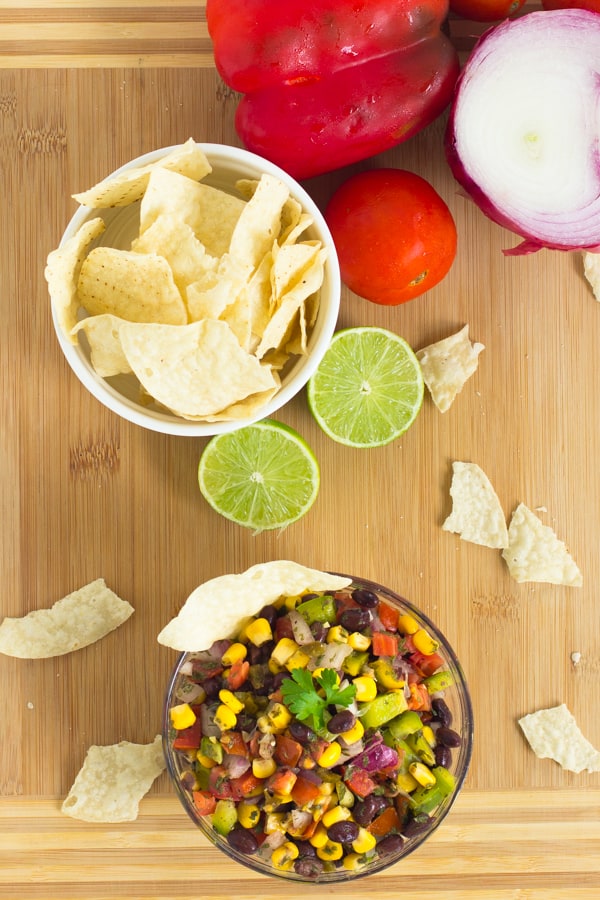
[327, 83]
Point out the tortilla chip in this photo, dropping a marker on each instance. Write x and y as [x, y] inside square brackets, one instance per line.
[194, 370]
[554, 734]
[211, 213]
[476, 511]
[113, 780]
[77, 620]
[138, 287]
[129, 186]
[220, 607]
[62, 274]
[259, 223]
[447, 365]
[106, 352]
[534, 553]
[175, 241]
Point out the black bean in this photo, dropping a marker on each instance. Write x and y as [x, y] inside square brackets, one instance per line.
[305, 848]
[343, 832]
[443, 756]
[365, 598]
[319, 631]
[389, 845]
[365, 810]
[417, 825]
[270, 613]
[447, 737]
[301, 732]
[441, 711]
[355, 618]
[212, 686]
[341, 721]
[242, 840]
[308, 866]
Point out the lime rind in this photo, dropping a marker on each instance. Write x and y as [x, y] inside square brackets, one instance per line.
[263, 476]
[368, 388]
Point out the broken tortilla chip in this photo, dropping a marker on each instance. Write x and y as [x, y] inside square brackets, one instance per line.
[534, 552]
[476, 515]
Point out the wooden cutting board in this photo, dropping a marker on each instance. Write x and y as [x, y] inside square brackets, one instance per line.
[84, 87]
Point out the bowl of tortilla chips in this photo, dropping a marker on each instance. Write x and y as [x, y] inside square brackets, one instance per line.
[195, 289]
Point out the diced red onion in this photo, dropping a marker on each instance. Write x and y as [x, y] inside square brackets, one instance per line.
[302, 633]
[236, 764]
[523, 136]
[376, 756]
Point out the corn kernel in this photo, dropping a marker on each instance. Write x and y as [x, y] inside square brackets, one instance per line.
[283, 650]
[231, 701]
[262, 768]
[355, 733]
[336, 814]
[330, 850]
[354, 861]
[279, 716]
[182, 716]
[298, 660]
[259, 631]
[337, 634]
[407, 624]
[248, 814]
[234, 653]
[424, 643]
[284, 855]
[327, 788]
[330, 755]
[359, 641]
[406, 782]
[422, 773]
[319, 837]
[225, 718]
[429, 735]
[291, 602]
[265, 726]
[364, 842]
[366, 688]
[207, 761]
[274, 822]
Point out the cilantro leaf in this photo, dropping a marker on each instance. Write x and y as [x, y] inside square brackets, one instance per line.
[301, 697]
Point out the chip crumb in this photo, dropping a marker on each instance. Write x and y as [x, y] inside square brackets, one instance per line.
[477, 515]
[447, 365]
[554, 734]
[575, 657]
[591, 270]
[29, 704]
[534, 552]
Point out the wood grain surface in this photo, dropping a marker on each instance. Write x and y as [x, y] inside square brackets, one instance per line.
[84, 87]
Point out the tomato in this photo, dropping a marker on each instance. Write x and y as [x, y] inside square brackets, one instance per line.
[485, 10]
[394, 235]
[593, 5]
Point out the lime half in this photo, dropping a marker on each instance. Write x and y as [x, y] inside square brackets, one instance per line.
[367, 389]
[263, 476]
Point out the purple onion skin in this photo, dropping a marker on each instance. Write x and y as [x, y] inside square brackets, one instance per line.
[529, 244]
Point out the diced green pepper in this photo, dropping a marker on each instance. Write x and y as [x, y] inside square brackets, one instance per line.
[354, 663]
[224, 816]
[344, 794]
[212, 749]
[384, 707]
[439, 681]
[426, 799]
[421, 748]
[445, 780]
[406, 723]
[318, 609]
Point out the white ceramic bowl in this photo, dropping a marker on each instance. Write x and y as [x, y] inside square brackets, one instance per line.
[121, 394]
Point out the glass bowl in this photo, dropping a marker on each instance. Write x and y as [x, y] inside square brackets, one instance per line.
[121, 393]
[421, 809]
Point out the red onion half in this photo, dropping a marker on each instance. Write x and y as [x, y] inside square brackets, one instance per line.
[523, 136]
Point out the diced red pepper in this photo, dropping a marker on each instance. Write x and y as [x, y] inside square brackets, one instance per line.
[388, 616]
[304, 790]
[246, 785]
[384, 644]
[287, 751]
[282, 781]
[233, 742]
[237, 674]
[419, 698]
[188, 738]
[426, 665]
[205, 802]
[385, 823]
[360, 782]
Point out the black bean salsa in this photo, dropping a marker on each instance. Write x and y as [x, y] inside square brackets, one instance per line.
[319, 736]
